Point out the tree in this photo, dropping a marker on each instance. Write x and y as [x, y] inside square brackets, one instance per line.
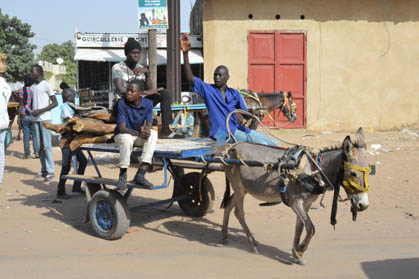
[65, 51]
[14, 42]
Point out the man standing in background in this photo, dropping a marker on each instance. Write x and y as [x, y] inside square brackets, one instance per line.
[26, 119]
[5, 93]
[42, 95]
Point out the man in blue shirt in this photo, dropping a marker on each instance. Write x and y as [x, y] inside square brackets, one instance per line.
[134, 120]
[221, 100]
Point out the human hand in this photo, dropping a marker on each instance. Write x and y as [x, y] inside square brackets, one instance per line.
[145, 131]
[18, 121]
[140, 70]
[35, 112]
[185, 44]
[152, 91]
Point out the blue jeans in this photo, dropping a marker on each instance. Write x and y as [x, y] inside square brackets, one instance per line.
[28, 128]
[43, 136]
[255, 137]
[67, 155]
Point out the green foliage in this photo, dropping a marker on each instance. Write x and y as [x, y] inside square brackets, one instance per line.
[14, 42]
[65, 51]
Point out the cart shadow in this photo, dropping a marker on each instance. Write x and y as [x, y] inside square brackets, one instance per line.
[204, 231]
[70, 212]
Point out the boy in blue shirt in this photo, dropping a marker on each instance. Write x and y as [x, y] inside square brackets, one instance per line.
[67, 113]
[134, 120]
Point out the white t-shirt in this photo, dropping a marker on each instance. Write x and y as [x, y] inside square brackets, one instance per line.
[41, 93]
[5, 93]
[122, 71]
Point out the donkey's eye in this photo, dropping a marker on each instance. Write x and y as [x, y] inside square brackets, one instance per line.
[353, 174]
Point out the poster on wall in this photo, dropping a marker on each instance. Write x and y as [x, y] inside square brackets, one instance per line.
[152, 14]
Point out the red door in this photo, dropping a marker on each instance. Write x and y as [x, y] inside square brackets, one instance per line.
[277, 62]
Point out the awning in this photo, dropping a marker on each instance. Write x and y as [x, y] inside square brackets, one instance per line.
[117, 55]
[195, 57]
[100, 54]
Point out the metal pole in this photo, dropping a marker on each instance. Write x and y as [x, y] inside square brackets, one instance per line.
[152, 55]
[173, 50]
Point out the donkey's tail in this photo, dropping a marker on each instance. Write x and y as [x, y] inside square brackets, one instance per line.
[227, 196]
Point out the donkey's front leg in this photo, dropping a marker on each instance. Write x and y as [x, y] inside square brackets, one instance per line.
[299, 226]
[303, 220]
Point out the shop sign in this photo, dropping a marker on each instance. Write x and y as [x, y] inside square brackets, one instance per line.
[115, 40]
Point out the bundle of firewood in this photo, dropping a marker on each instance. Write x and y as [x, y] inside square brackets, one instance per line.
[93, 128]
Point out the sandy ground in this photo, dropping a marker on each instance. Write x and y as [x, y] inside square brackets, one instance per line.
[42, 239]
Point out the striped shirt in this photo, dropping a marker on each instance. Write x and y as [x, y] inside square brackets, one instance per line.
[27, 107]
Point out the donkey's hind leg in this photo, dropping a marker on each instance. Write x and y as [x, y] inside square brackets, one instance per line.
[238, 200]
[227, 210]
[239, 212]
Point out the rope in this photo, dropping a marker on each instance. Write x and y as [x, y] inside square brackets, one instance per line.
[266, 130]
[254, 97]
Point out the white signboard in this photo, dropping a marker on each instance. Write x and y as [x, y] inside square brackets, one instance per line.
[115, 40]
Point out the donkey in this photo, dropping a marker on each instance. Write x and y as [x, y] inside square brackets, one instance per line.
[270, 101]
[345, 165]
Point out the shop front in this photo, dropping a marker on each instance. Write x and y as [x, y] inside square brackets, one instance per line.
[96, 53]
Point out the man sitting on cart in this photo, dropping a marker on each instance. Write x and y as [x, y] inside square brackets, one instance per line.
[131, 69]
[134, 120]
[221, 100]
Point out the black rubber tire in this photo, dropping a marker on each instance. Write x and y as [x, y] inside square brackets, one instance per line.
[190, 185]
[114, 205]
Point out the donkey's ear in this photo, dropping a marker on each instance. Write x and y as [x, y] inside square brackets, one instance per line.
[347, 146]
[360, 138]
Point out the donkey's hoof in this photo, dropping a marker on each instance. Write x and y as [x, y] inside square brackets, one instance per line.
[255, 250]
[301, 262]
[297, 255]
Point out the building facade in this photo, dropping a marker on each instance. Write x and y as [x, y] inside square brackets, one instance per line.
[53, 74]
[348, 63]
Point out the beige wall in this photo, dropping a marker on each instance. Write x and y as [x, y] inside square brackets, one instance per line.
[362, 56]
[53, 74]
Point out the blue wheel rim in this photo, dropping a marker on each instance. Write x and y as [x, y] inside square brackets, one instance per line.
[104, 216]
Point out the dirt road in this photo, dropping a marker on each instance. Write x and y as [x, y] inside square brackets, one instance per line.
[43, 239]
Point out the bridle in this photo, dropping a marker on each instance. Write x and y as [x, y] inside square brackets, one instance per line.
[350, 184]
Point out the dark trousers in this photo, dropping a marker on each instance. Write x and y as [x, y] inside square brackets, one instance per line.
[165, 108]
[67, 155]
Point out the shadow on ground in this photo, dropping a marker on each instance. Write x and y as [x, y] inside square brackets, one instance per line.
[203, 231]
[392, 268]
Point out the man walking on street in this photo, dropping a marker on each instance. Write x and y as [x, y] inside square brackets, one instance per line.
[5, 93]
[42, 95]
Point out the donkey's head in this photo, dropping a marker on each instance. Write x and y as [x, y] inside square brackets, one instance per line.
[355, 172]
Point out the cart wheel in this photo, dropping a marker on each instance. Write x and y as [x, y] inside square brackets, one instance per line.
[195, 206]
[109, 214]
